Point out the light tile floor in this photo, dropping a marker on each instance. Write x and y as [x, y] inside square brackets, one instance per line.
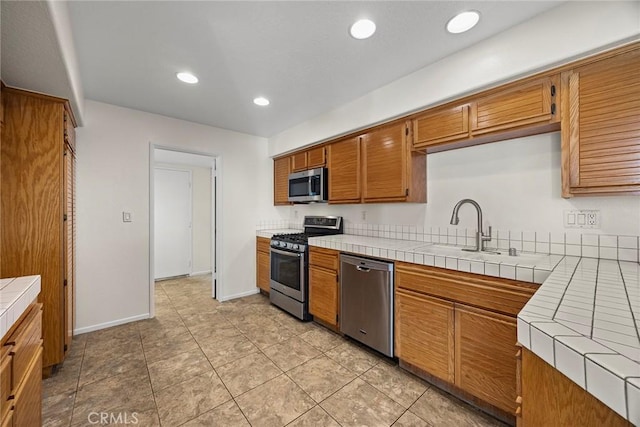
[238, 363]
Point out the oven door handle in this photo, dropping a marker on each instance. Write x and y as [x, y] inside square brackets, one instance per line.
[291, 254]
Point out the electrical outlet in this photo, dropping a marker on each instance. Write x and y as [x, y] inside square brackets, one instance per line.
[582, 219]
[363, 215]
[295, 213]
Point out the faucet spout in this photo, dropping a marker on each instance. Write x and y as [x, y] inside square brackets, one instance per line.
[480, 237]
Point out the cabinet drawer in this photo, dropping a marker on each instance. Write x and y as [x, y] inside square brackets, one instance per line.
[6, 380]
[501, 295]
[26, 342]
[28, 401]
[325, 258]
[263, 244]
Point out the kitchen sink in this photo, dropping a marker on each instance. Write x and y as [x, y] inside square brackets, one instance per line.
[488, 256]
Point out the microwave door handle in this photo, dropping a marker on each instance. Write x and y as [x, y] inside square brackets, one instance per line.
[309, 188]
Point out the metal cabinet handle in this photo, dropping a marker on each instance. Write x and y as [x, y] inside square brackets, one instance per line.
[363, 269]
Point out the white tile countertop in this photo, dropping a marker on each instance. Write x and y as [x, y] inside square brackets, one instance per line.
[15, 296]
[585, 321]
[269, 233]
[526, 267]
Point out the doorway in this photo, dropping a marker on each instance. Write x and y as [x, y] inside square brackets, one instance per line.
[182, 234]
[173, 205]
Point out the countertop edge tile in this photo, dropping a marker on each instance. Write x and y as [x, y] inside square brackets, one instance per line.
[24, 291]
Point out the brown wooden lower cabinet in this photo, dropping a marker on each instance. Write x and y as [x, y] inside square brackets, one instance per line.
[324, 290]
[263, 264]
[424, 333]
[551, 399]
[485, 362]
[447, 330]
[21, 371]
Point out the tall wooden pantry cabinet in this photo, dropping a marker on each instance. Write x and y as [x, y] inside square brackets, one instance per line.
[37, 209]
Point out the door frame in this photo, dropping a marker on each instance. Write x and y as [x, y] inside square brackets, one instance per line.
[168, 168]
[217, 283]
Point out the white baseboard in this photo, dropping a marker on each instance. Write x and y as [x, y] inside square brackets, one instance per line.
[105, 325]
[240, 295]
[200, 273]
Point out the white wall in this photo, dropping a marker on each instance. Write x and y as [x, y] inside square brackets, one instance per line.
[553, 37]
[113, 176]
[201, 215]
[516, 182]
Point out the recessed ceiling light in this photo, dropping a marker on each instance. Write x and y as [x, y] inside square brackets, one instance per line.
[187, 77]
[463, 22]
[363, 29]
[261, 101]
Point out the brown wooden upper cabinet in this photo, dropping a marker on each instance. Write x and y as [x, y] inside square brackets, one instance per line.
[520, 104]
[441, 125]
[299, 162]
[343, 161]
[601, 126]
[281, 171]
[313, 158]
[391, 172]
[316, 157]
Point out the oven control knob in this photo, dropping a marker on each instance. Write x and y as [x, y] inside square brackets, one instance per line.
[295, 247]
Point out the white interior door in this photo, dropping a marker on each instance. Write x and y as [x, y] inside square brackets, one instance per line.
[172, 216]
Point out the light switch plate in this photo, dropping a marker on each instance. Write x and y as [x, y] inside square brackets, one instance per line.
[582, 219]
[126, 216]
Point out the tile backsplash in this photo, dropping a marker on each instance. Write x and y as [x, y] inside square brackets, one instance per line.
[605, 246]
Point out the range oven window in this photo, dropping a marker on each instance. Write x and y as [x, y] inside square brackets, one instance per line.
[299, 187]
[286, 270]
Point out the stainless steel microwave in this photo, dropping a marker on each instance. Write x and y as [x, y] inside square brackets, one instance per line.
[309, 186]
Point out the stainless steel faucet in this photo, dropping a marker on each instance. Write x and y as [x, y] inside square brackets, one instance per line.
[480, 236]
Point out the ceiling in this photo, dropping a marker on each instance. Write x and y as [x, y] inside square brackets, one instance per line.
[297, 54]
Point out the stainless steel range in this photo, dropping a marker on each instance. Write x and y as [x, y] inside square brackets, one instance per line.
[290, 264]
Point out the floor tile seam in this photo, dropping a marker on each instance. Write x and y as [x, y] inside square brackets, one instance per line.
[303, 390]
[107, 377]
[154, 391]
[199, 415]
[146, 362]
[385, 393]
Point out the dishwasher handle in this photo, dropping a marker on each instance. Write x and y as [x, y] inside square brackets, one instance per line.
[363, 269]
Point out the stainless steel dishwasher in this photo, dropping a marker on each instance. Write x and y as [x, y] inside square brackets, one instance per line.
[366, 302]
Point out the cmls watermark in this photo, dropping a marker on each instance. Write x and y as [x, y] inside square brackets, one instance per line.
[105, 418]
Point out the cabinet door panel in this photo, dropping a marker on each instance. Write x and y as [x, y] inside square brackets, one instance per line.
[521, 105]
[424, 333]
[447, 125]
[281, 171]
[263, 270]
[316, 157]
[384, 164]
[28, 401]
[485, 362]
[602, 130]
[343, 160]
[299, 162]
[323, 294]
